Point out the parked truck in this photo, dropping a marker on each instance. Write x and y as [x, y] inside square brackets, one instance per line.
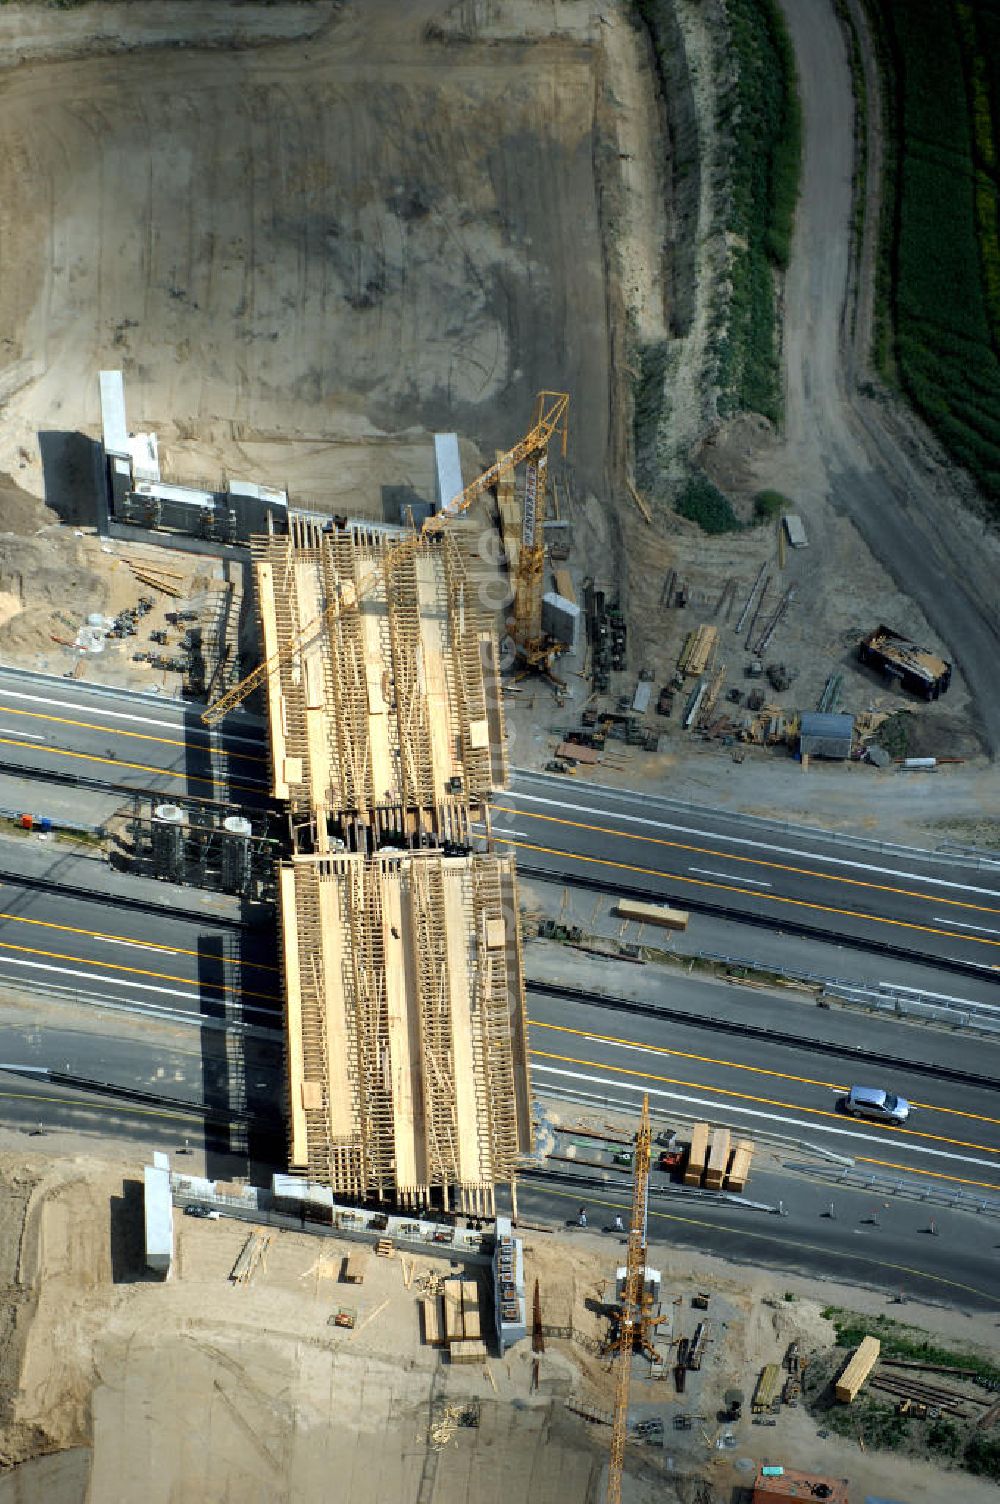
[916, 669]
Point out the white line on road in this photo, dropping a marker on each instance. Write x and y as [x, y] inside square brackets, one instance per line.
[771, 1117]
[753, 881]
[106, 981]
[715, 835]
[160, 950]
[959, 924]
[28, 736]
[52, 705]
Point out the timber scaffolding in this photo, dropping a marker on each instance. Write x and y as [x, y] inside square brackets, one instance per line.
[406, 1028]
[390, 718]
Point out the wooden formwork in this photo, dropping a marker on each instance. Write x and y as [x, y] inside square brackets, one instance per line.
[406, 1055]
[393, 703]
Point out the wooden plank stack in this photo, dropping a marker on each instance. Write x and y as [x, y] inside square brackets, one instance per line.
[697, 1155]
[250, 1258]
[860, 1365]
[718, 1160]
[766, 1392]
[461, 1326]
[724, 1166]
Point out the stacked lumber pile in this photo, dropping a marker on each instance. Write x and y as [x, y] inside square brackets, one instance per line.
[859, 1366]
[251, 1258]
[698, 648]
[462, 1321]
[721, 1165]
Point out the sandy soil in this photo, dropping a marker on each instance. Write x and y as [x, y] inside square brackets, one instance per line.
[328, 242]
[200, 1388]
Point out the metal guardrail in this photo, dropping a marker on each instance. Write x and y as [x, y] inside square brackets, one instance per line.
[752, 918]
[840, 1049]
[977, 1018]
[948, 852]
[930, 1192]
[161, 1013]
[880, 997]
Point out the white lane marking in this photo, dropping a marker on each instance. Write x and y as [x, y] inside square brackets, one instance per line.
[510, 835]
[714, 835]
[105, 981]
[754, 881]
[123, 715]
[160, 950]
[27, 736]
[959, 924]
[751, 1112]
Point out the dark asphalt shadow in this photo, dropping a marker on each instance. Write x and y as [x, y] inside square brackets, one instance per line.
[128, 1236]
[72, 475]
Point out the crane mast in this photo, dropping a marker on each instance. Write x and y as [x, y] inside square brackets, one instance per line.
[631, 1310]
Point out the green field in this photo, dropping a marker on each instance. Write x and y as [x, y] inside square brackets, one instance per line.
[941, 278]
[760, 114]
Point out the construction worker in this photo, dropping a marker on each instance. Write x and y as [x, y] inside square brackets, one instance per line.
[582, 1218]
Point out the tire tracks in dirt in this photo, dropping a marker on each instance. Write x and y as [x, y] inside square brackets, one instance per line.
[874, 465]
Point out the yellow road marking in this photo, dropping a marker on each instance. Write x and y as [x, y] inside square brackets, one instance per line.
[136, 971]
[888, 1164]
[752, 861]
[118, 762]
[745, 1232]
[74, 929]
[736, 1065]
[141, 736]
[743, 1096]
[798, 903]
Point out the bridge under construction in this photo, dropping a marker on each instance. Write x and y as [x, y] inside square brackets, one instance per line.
[400, 935]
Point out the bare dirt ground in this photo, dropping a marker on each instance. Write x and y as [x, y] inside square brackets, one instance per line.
[312, 234]
[198, 1388]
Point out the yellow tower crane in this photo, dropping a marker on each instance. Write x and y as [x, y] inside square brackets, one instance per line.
[549, 418]
[635, 1319]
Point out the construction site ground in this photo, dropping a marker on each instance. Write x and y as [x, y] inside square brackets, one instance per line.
[199, 1387]
[312, 235]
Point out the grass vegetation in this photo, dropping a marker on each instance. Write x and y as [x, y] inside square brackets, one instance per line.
[901, 1341]
[874, 1419]
[940, 281]
[761, 116]
[701, 501]
[767, 505]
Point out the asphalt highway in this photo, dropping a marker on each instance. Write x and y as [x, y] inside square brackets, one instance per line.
[192, 971]
[54, 727]
[952, 1137]
[909, 903]
[912, 902]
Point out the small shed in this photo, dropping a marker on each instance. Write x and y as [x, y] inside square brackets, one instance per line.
[158, 1215]
[794, 530]
[824, 734]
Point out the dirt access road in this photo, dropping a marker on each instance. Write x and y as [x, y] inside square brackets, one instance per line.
[850, 452]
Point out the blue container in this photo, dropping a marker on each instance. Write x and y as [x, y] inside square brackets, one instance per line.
[43, 823]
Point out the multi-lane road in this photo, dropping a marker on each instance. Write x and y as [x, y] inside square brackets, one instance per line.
[64, 729]
[198, 996]
[894, 901]
[897, 902]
